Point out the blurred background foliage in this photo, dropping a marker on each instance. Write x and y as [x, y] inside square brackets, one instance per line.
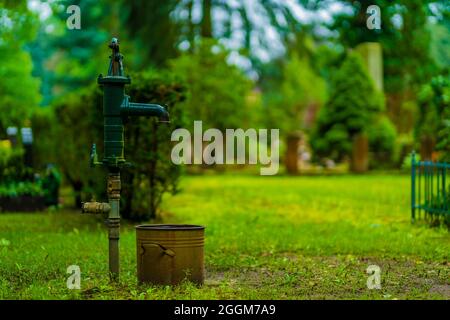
[217, 90]
[233, 64]
[148, 147]
[19, 92]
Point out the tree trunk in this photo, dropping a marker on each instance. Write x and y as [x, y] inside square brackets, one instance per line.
[206, 24]
[291, 161]
[427, 145]
[360, 154]
[191, 32]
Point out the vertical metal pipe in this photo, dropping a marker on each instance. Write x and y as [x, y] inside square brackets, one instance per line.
[114, 223]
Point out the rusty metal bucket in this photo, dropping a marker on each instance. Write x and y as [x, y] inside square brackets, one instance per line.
[170, 253]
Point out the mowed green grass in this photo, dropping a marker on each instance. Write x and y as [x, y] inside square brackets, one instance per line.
[266, 238]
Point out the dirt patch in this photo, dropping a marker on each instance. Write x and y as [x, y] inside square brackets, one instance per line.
[441, 289]
[337, 277]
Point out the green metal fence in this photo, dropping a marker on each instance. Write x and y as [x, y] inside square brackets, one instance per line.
[430, 190]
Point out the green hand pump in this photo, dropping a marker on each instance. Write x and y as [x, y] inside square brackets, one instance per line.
[116, 109]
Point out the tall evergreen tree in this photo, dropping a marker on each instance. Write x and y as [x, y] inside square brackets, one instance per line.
[353, 105]
[405, 40]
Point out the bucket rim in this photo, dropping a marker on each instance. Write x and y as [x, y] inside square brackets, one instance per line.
[169, 227]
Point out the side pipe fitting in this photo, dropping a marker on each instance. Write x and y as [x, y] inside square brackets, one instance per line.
[95, 207]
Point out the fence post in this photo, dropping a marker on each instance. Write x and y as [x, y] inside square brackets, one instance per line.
[413, 186]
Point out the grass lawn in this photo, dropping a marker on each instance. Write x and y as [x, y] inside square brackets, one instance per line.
[266, 238]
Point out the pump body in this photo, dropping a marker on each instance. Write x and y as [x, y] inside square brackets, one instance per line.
[116, 109]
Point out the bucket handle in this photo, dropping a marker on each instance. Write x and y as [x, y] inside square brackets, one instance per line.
[166, 251]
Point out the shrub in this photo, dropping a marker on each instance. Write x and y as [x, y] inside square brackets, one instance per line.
[12, 166]
[434, 115]
[406, 163]
[217, 90]
[382, 143]
[16, 179]
[148, 146]
[287, 100]
[23, 188]
[443, 145]
[64, 135]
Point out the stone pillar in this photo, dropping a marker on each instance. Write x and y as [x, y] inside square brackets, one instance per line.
[372, 54]
[360, 154]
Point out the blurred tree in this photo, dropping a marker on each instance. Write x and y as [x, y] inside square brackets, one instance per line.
[440, 43]
[19, 91]
[405, 39]
[39, 50]
[443, 145]
[291, 105]
[300, 88]
[216, 90]
[354, 104]
[77, 124]
[12, 168]
[206, 23]
[184, 23]
[148, 146]
[69, 59]
[294, 91]
[150, 25]
[44, 133]
[434, 100]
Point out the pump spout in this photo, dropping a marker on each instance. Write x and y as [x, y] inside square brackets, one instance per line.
[144, 109]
